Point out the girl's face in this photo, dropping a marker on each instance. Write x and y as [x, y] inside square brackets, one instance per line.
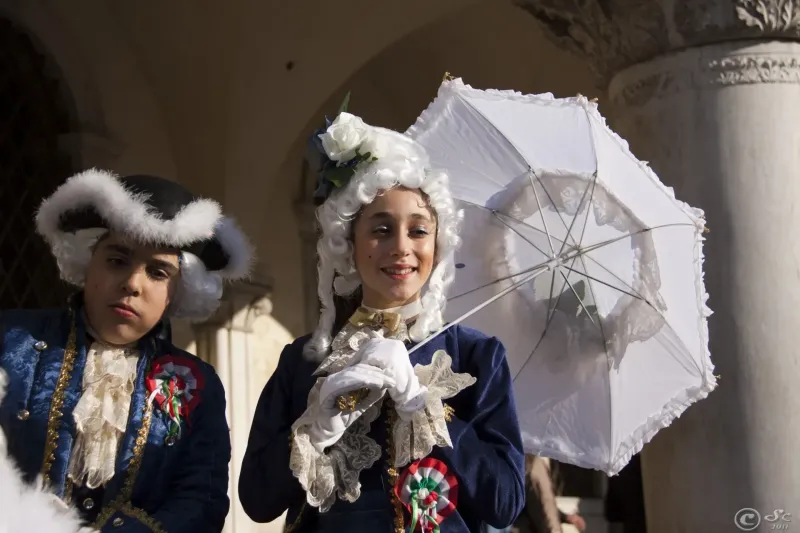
[394, 242]
[128, 288]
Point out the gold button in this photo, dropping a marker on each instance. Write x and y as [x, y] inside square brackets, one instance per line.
[88, 504]
[23, 414]
[117, 522]
[40, 345]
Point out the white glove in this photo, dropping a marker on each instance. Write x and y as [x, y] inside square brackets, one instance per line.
[332, 422]
[391, 356]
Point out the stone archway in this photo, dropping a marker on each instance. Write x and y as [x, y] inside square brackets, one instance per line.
[34, 114]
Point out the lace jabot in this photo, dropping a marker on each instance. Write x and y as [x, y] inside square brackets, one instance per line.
[335, 472]
[101, 414]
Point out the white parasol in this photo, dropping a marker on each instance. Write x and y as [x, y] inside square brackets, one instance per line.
[581, 262]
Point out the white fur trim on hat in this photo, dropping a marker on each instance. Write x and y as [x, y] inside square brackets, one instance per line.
[125, 211]
[128, 213]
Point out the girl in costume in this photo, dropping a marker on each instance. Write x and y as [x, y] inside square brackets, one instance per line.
[101, 408]
[352, 433]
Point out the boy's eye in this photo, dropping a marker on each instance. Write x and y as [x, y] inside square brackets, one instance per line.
[157, 273]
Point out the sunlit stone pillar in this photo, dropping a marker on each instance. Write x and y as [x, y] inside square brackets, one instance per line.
[705, 92]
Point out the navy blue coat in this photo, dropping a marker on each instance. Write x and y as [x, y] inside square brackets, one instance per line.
[160, 484]
[487, 456]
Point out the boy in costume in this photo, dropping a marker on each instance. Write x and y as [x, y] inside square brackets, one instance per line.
[101, 407]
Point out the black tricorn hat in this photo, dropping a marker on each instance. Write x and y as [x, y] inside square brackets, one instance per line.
[150, 210]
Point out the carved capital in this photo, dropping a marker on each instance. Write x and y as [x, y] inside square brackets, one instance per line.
[718, 65]
[616, 34]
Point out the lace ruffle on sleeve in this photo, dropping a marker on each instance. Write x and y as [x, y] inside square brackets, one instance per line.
[416, 437]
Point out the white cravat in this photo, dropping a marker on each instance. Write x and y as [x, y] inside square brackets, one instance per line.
[101, 415]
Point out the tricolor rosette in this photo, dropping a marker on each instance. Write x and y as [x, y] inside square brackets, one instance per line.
[174, 383]
[429, 492]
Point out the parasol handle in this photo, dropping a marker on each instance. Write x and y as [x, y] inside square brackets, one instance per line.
[526, 279]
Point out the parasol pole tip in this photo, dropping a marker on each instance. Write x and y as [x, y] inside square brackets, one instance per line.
[447, 77]
[706, 230]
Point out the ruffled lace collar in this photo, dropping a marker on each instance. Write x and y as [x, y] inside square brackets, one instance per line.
[101, 415]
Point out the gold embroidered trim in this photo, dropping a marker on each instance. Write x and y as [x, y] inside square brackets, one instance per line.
[147, 520]
[107, 512]
[57, 403]
[391, 471]
[122, 502]
[138, 452]
[291, 527]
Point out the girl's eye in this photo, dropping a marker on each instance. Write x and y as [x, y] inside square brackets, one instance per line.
[116, 261]
[420, 231]
[381, 230]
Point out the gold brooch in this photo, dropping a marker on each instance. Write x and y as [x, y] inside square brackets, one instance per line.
[448, 412]
[347, 403]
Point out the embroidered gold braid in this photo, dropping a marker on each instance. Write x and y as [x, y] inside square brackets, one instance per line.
[138, 452]
[142, 517]
[57, 403]
[122, 503]
[294, 525]
[391, 471]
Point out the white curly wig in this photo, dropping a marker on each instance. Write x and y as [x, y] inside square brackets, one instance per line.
[146, 209]
[401, 162]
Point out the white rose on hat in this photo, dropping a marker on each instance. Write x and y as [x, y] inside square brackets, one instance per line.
[343, 137]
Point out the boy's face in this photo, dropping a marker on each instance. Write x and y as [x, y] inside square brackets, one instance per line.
[128, 288]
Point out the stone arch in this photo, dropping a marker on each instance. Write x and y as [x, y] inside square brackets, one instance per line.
[474, 42]
[268, 140]
[117, 122]
[51, 35]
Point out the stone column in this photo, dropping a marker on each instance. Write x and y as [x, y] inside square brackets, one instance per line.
[706, 93]
[243, 342]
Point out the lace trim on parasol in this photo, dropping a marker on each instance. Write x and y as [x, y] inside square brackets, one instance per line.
[415, 438]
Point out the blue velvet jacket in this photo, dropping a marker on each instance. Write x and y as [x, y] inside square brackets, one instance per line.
[160, 484]
[486, 457]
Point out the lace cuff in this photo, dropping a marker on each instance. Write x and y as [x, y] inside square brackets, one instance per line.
[334, 472]
[415, 438]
